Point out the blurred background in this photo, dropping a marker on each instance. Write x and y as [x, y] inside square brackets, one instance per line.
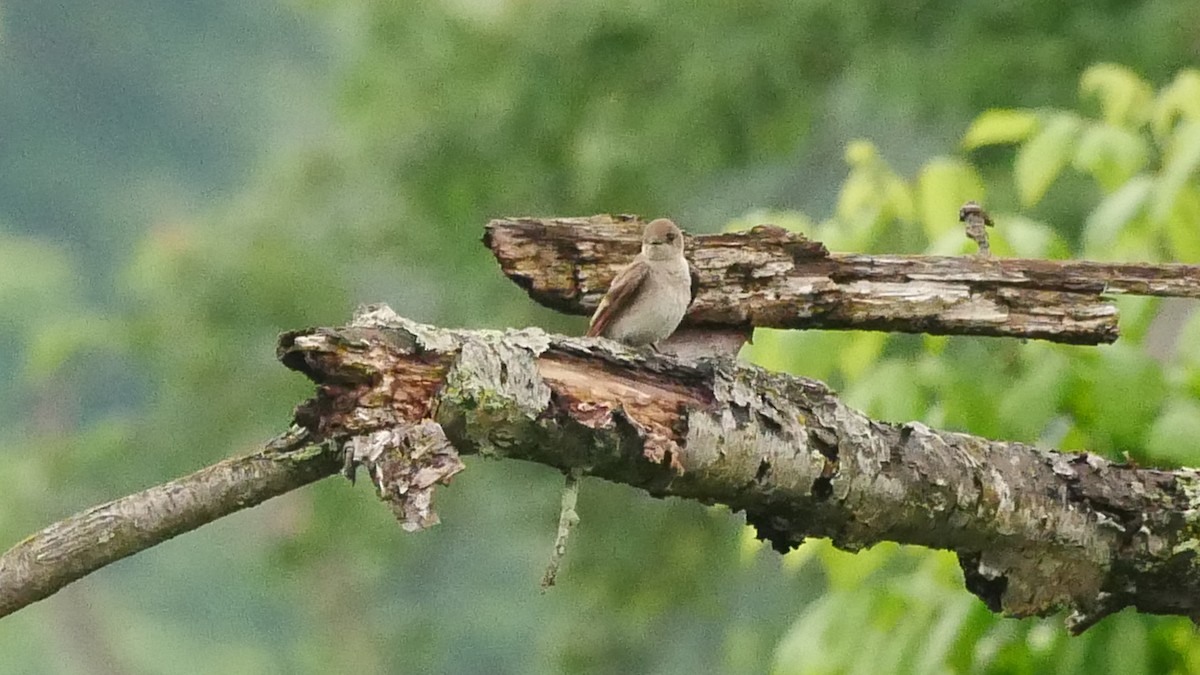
[180, 182]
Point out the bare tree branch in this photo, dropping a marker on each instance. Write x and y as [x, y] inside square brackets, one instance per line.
[1036, 531]
[769, 277]
[70, 549]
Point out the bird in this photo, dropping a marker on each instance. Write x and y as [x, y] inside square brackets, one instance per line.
[647, 300]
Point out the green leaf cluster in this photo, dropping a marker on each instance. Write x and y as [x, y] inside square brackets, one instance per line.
[1136, 399]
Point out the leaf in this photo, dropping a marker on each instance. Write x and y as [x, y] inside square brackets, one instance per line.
[1179, 99]
[1111, 155]
[1187, 355]
[809, 353]
[1041, 159]
[846, 571]
[1129, 655]
[1137, 314]
[796, 558]
[872, 196]
[1183, 157]
[899, 197]
[861, 154]
[1110, 217]
[966, 387]
[859, 197]
[1124, 97]
[943, 186]
[1000, 126]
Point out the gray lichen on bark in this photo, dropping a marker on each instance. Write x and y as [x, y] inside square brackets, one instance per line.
[1036, 531]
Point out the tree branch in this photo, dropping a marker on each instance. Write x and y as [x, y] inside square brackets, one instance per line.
[72, 548]
[1036, 531]
[769, 277]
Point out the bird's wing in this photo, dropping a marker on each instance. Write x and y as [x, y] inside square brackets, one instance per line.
[694, 284]
[621, 293]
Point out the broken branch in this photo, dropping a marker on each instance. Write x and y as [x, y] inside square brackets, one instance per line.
[1036, 531]
[769, 277]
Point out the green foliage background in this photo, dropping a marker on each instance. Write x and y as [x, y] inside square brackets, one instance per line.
[181, 182]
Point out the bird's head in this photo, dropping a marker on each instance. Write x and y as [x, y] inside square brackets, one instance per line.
[662, 239]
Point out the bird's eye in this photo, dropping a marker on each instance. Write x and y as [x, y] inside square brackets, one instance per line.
[670, 237]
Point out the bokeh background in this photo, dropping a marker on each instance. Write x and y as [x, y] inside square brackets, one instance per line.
[180, 182]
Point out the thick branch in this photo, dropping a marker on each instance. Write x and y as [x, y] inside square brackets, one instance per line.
[1036, 531]
[769, 277]
[70, 549]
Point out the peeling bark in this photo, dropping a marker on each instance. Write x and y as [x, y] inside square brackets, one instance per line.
[769, 277]
[1036, 531]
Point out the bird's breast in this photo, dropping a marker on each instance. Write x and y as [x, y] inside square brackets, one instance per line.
[658, 308]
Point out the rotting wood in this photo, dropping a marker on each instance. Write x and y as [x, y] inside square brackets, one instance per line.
[770, 277]
[1036, 531]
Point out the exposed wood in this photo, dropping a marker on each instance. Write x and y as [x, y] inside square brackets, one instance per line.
[1036, 531]
[769, 277]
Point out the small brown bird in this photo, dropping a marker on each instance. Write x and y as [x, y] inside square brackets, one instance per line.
[647, 299]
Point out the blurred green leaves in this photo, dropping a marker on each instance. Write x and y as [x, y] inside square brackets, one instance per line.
[1179, 100]
[1043, 157]
[1000, 126]
[944, 185]
[1143, 153]
[904, 610]
[1125, 98]
[899, 611]
[1110, 154]
[451, 113]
